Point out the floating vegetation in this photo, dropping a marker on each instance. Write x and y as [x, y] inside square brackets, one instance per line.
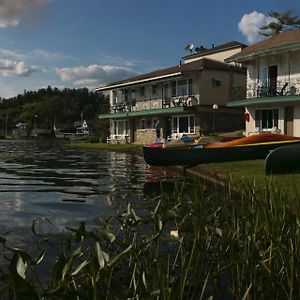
[204, 244]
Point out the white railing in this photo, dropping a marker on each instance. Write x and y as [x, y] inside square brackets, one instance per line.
[117, 139]
[264, 130]
[155, 104]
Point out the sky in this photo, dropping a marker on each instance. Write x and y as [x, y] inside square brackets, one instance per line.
[89, 43]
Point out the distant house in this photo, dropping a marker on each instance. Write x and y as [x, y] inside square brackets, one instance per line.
[272, 102]
[20, 130]
[82, 129]
[182, 98]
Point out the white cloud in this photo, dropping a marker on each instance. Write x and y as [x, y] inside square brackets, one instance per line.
[12, 10]
[16, 55]
[118, 60]
[9, 68]
[94, 74]
[250, 23]
[45, 54]
[34, 55]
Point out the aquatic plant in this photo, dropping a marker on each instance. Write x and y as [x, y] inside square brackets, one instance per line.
[225, 244]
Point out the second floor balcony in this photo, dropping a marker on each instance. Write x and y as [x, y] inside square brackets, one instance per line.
[274, 91]
[165, 103]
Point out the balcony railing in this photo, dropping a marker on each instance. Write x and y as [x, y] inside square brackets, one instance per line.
[278, 88]
[167, 102]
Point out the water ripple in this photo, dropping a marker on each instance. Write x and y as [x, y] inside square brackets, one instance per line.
[47, 179]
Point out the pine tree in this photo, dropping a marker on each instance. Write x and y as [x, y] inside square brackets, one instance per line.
[284, 21]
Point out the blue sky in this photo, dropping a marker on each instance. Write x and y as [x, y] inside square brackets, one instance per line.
[76, 43]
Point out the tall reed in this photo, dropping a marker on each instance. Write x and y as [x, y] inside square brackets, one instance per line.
[233, 242]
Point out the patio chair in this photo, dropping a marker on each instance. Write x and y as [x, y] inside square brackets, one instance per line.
[281, 93]
[166, 102]
[292, 91]
[263, 91]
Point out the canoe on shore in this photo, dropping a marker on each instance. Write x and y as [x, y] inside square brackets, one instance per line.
[252, 147]
[283, 160]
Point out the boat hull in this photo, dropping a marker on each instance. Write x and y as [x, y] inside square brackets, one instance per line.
[194, 155]
[283, 160]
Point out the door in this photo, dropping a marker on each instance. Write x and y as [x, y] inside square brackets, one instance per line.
[289, 120]
[166, 93]
[168, 128]
[273, 80]
[132, 130]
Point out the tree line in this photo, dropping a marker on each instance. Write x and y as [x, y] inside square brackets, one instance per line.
[50, 108]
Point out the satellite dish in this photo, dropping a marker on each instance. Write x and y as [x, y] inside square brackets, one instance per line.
[189, 47]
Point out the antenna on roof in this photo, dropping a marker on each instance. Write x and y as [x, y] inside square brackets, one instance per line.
[189, 47]
[200, 49]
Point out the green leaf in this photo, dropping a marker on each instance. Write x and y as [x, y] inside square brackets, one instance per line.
[39, 258]
[144, 280]
[21, 267]
[115, 258]
[101, 256]
[156, 208]
[108, 236]
[160, 225]
[219, 231]
[57, 270]
[135, 216]
[76, 252]
[80, 267]
[65, 269]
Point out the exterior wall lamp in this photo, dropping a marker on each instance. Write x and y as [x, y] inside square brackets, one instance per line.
[215, 108]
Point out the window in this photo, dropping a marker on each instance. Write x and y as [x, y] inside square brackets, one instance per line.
[142, 91]
[183, 124]
[266, 118]
[125, 96]
[133, 96]
[153, 89]
[182, 87]
[143, 124]
[216, 82]
[121, 127]
[174, 89]
[268, 78]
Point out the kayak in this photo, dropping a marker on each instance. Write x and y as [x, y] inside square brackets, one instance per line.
[285, 159]
[248, 148]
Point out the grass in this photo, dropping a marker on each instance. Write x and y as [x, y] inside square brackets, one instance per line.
[252, 173]
[112, 147]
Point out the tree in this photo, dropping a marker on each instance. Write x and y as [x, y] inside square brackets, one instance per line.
[284, 21]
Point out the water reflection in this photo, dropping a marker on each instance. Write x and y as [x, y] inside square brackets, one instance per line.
[65, 185]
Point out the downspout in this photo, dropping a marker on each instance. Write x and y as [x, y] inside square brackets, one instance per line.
[289, 67]
[199, 77]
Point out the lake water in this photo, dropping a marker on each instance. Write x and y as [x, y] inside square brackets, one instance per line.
[42, 179]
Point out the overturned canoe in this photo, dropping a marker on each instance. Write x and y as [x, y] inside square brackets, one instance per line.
[283, 160]
[189, 155]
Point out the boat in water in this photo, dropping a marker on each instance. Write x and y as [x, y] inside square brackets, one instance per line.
[252, 147]
[283, 160]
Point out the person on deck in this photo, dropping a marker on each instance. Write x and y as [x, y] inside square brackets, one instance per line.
[157, 129]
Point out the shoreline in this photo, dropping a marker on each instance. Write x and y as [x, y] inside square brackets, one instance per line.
[199, 171]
